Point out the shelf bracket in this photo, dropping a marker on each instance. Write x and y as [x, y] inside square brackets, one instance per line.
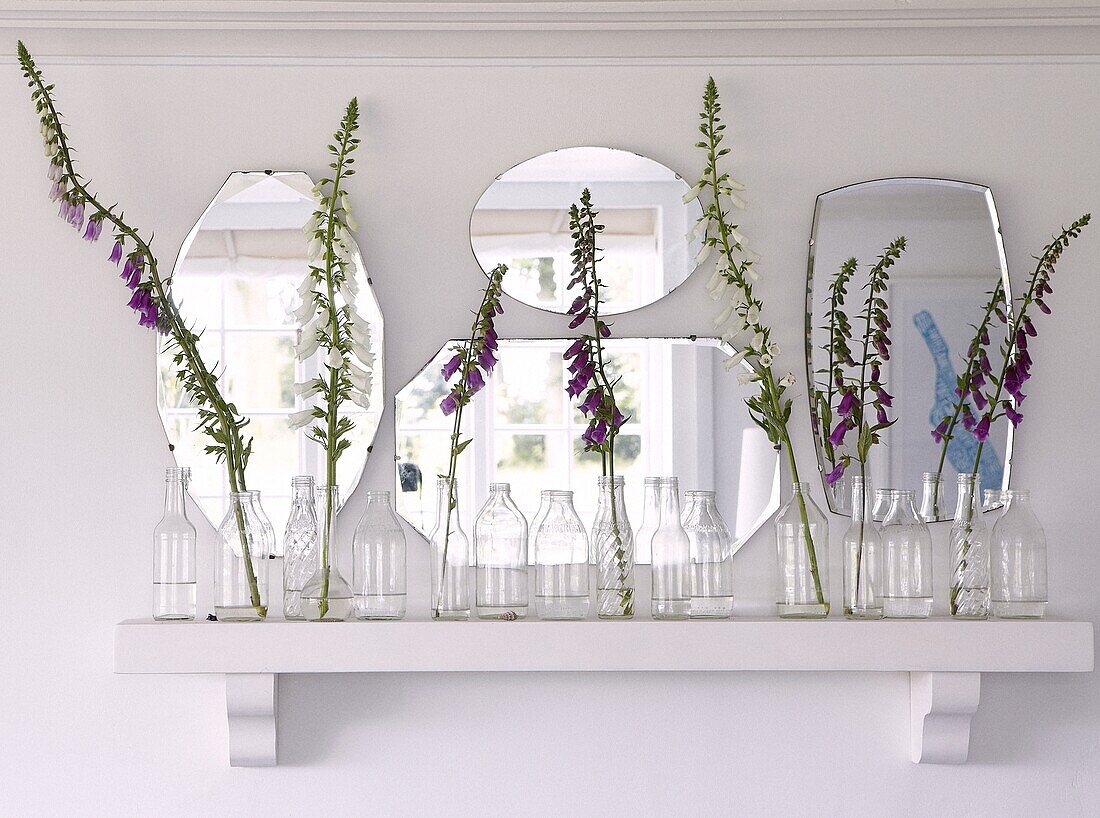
[252, 705]
[941, 706]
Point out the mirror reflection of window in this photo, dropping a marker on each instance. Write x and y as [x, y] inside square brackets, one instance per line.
[954, 256]
[236, 280]
[522, 220]
[685, 417]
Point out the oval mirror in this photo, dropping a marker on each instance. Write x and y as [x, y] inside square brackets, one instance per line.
[236, 281]
[686, 418]
[648, 243]
[954, 258]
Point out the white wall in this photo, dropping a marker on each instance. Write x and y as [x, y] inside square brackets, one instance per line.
[83, 450]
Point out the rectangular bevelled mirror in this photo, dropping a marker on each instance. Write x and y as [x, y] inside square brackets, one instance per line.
[954, 258]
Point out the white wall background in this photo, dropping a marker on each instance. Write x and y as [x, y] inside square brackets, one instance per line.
[83, 452]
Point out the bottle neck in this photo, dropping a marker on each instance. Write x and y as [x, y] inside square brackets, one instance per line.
[443, 492]
[175, 497]
[967, 504]
[670, 504]
[860, 501]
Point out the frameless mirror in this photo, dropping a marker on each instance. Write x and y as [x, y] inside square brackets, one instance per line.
[686, 418]
[236, 280]
[648, 243]
[954, 258]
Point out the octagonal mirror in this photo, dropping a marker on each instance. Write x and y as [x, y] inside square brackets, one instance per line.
[236, 281]
[686, 418]
[649, 244]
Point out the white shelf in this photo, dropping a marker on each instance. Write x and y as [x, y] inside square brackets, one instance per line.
[943, 657]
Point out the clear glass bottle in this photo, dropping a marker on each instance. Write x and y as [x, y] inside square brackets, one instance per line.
[561, 561]
[450, 556]
[651, 518]
[326, 596]
[802, 556]
[931, 502]
[241, 562]
[265, 523]
[907, 560]
[969, 553]
[862, 560]
[710, 549]
[1019, 561]
[671, 557]
[613, 544]
[174, 541]
[992, 499]
[299, 545]
[500, 556]
[378, 571]
[540, 515]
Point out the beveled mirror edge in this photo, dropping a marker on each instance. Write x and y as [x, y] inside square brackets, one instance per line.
[774, 500]
[379, 371]
[987, 195]
[497, 178]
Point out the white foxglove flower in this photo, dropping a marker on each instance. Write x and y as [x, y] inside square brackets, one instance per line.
[693, 194]
[719, 289]
[302, 418]
[314, 249]
[773, 349]
[745, 378]
[308, 389]
[352, 283]
[737, 237]
[361, 352]
[753, 315]
[307, 345]
[702, 255]
[360, 331]
[765, 360]
[715, 277]
[362, 382]
[730, 338]
[700, 228]
[352, 224]
[305, 310]
[347, 294]
[310, 227]
[733, 184]
[758, 341]
[355, 369]
[306, 287]
[734, 359]
[359, 398]
[751, 271]
[736, 200]
[787, 380]
[723, 316]
[334, 359]
[345, 205]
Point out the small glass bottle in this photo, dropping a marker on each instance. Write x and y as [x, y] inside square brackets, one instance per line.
[378, 571]
[802, 555]
[241, 562]
[450, 556]
[931, 503]
[907, 560]
[326, 596]
[174, 552]
[1019, 561]
[651, 518]
[862, 567]
[561, 561]
[969, 554]
[613, 543]
[299, 545]
[671, 557]
[500, 554]
[710, 549]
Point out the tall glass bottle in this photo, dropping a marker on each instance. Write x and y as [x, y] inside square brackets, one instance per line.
[671, 557]
[450, 556]
[326, 596]
[241, 562]
[1019, 561]
[651, 518]
[500, 554]
[613, 543]
[802, 556]
[969, 553]
[862, 567]
[907, 561]
[561, 561]
[174, 552]
[710, 549]
[299, 545]
[378, 577]
[931, 502]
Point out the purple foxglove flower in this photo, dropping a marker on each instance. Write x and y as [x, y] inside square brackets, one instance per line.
[1000, 315]
[883, 352]
[55, 191]
[577, 305]
[574, 348]
[579, 363]
[884, 397]
[985, 337]
[474, 381]
[882, 322]
[958, 392]
[1023, 363]
[1011, 413]
[605, 330]
[874, 373]
[847, 404]
[137, 300]
[598, 433]
[592, 402]
[135, 278]
[491, 337]
[977, 380]
[882, 419]
[981, 431]
[985, 366]
[839, 381]
[1042, 305]
[617, 418]
[1021, 339]
[837, 435]
[486, 359]
[835, 474]
[449, 404]
[149, 317]
[116, 253]
[578, 319]
[979, 400]
[451, 367]
[968, 420]
[573, 389]
[90, 230]
[64, 210]
[1029, 328]
[940, 431]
